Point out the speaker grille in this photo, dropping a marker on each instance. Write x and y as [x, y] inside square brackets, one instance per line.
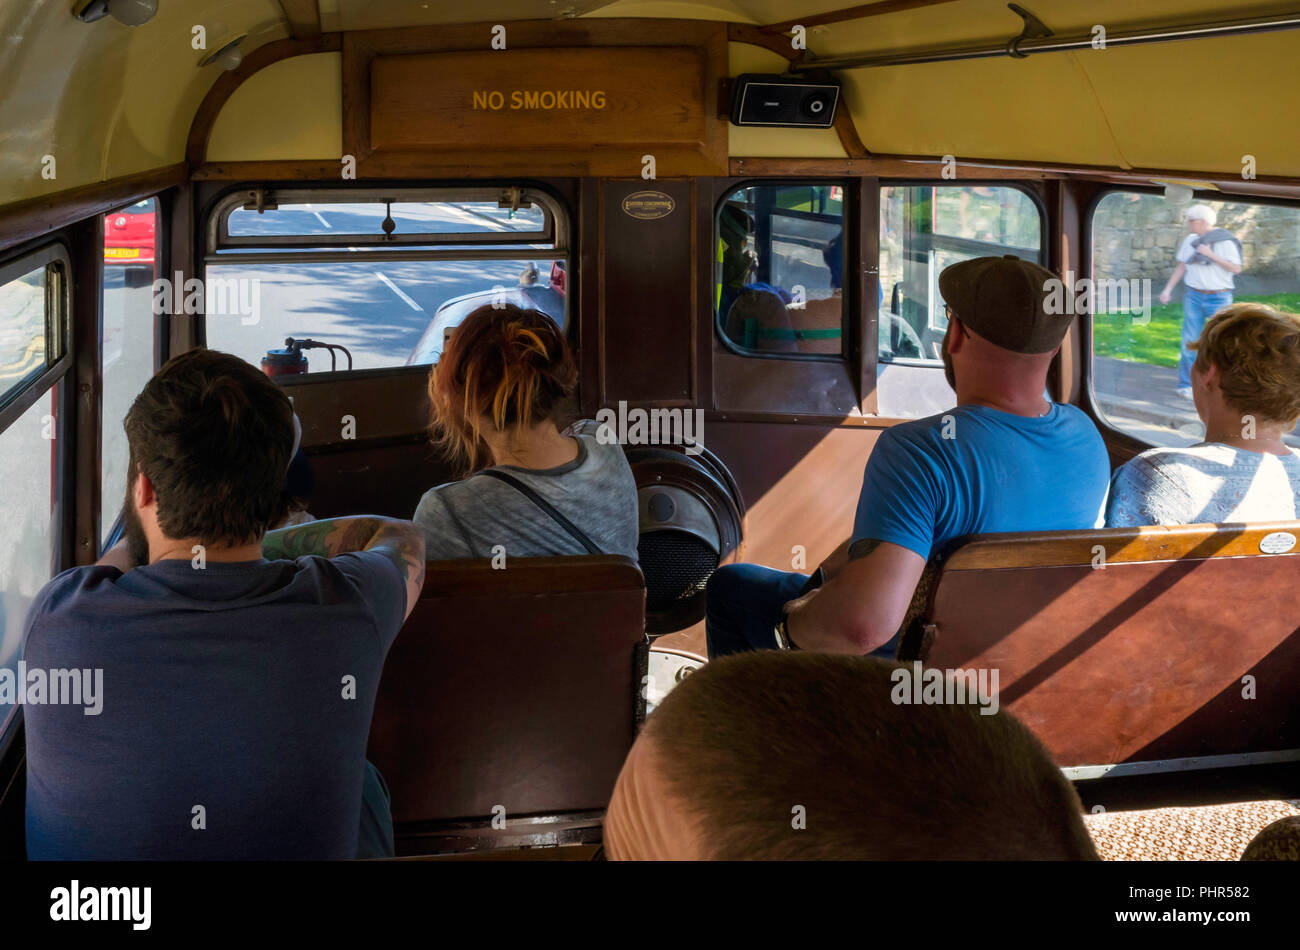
[676, 566]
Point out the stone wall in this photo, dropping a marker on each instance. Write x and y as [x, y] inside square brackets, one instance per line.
[1136, 236]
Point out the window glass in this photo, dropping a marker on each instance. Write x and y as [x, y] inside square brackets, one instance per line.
[27, 453]
[23, 343]
[130, 267]
[384, 313]
[1146, 300]
[409, 217]
[310, 284]
[924, 229]
[778, 269]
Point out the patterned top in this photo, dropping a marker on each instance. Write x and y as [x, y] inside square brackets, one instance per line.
[1202, 484]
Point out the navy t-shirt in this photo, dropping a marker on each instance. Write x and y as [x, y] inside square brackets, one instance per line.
[228, 728]
[976, 470]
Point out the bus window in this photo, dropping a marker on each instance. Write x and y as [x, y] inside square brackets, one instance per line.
[374, 281]
[33, 308]
[923, 229]
[778, 269]
[130, 268]
[1151, 287]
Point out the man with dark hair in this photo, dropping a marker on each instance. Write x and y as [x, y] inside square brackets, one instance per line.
[239, 667]
[777, 756]
[1005, 458]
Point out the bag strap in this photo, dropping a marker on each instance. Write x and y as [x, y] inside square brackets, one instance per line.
[545, 505]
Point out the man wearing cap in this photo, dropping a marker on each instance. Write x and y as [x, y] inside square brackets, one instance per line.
[1208, 260]
[1004, 459]
[238, 668]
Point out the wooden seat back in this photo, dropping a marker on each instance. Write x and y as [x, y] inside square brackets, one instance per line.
[512, 694]
[1129, 645]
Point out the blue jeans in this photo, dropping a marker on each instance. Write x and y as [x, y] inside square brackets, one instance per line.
[1197, 308]
[375, 839]
[743, 605]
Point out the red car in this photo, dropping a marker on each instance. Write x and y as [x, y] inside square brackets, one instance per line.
[129, 242]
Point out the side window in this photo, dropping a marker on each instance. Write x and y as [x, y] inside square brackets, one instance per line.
[369, 281]
[1153, 290]
[33, 310]
[131, 237]
[779, 269]
[924, 229]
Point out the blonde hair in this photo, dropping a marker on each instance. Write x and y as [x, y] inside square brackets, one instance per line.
[1256, 350]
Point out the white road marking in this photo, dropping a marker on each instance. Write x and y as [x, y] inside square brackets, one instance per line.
[479, 219]
[322, 220]
[398, 290]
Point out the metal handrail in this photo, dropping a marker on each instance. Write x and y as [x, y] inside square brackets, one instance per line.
[1021, 47]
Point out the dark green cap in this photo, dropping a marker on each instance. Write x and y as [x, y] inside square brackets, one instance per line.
[1003, 299]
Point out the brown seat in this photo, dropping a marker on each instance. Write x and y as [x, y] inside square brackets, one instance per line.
[512, 694]
[1142, 660]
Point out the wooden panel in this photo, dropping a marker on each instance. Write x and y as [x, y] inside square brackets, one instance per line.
[375, 479]
[1154, 543]
[637, 98]
[800, 485]
[25, 220]
[647, 297]
[923, 166]
[87, 346]
[383, 405]
[764, 384]
[581, 155]
[1117, 665]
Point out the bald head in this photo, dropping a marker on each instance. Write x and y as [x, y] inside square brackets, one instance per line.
[776, 755]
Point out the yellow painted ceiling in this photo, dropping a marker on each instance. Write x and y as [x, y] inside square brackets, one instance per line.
[106, 100]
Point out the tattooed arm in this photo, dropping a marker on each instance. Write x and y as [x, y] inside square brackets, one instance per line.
[400, 541]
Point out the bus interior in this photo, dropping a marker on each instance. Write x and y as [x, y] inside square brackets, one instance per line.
[327, 188]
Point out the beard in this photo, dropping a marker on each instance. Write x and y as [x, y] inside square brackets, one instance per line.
[137, 544]
[948, 372]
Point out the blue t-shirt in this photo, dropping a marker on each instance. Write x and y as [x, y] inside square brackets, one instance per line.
[975, 470]
[225, 729]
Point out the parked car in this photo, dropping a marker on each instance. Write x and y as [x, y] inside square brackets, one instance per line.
[548, 298]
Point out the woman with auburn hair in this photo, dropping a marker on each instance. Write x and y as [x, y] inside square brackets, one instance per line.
[1246, 385]
[535, 488]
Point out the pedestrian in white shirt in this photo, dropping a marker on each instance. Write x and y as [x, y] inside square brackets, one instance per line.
[1208, 260]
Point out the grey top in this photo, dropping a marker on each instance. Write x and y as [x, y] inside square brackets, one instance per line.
[1205, 483]
[596, 491]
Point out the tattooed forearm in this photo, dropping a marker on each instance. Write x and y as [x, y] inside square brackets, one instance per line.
[404, 543]
[399, 541]
[326, 538]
